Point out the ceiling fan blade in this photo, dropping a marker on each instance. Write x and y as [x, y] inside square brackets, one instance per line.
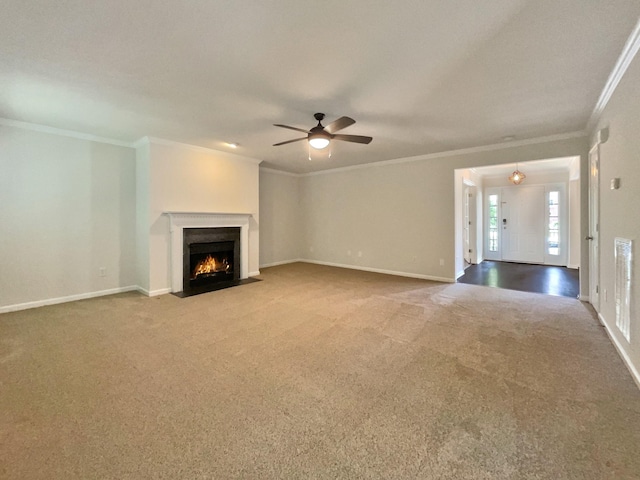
[339, 124]
[289, 141]
[353, 138]
[291, 128]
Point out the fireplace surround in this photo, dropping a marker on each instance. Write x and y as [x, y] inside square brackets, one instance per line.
[179, 221]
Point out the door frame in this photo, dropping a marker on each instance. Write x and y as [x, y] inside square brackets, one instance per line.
[594, 227]
[469, 222]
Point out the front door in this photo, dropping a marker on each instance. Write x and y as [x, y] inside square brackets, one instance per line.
[522, 223]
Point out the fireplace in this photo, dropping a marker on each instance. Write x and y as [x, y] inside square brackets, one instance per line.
[206, 223]
[211, 259]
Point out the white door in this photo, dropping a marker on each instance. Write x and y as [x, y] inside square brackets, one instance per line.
[522, 224]
[594, 227]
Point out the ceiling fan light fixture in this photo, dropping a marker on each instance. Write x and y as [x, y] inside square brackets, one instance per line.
[318, 141]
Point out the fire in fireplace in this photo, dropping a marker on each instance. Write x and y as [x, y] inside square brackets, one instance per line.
[211, 258]
[211, 266]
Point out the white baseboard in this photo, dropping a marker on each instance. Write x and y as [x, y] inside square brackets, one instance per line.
[70, 298]
[573, 266]
[635, 374]
[380, 270]
[284, 262]
[459, 274]
[164, 291]
[153, 293]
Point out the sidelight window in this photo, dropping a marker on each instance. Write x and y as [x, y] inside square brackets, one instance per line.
[493, 223]
[553, 210]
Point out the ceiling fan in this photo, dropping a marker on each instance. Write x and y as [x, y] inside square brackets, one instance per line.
[319, 136]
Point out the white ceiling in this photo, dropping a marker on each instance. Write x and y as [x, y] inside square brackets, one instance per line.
[419, 76]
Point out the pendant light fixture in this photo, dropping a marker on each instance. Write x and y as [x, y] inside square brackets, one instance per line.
[517, 176]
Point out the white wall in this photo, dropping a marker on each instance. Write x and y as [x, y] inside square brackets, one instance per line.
[281, 222]
[67, 210]
[620, 157]
[400, 215]
[575, 239]
[183, 178]
[143, 180]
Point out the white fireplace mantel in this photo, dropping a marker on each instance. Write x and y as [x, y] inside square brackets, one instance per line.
[178, 221]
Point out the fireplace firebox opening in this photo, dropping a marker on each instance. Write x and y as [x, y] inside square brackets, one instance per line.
[211, 259]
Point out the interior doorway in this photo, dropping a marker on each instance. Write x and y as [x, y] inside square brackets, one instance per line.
[469, 224]
[536, 222]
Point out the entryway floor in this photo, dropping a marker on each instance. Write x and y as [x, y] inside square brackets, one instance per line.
[550, 280]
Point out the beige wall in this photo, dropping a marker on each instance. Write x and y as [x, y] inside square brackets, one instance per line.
[400, 215]
[191, 179]
[281, 225]
[67, 209]
[620, 157]
[575, 209]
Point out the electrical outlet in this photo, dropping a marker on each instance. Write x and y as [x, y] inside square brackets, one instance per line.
[349, 253]
[442, 262]
[311, 249]
[102, 271]
[359, 254]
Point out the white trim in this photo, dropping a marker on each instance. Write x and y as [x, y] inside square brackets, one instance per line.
[195, 148]
[281, 172]
[153, 293]
[451, 153]
[380, 270]
[254, 274]
[573, 266]
[459, 274]
[141, 142]
[178, 221]
[70, 298]
[284, 262]
[635, 374]
[62, 132]
[626, 57]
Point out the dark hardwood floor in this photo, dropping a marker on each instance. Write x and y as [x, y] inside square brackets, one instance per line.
[559, 281]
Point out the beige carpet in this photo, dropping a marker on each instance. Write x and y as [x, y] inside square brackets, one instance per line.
[316, 372]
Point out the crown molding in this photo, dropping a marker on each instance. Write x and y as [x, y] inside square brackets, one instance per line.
[34, 127]
[170, 143]
[626, 57]
[281, 172]
[452, 153]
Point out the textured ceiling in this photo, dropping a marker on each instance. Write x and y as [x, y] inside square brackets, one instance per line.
[418, 76]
